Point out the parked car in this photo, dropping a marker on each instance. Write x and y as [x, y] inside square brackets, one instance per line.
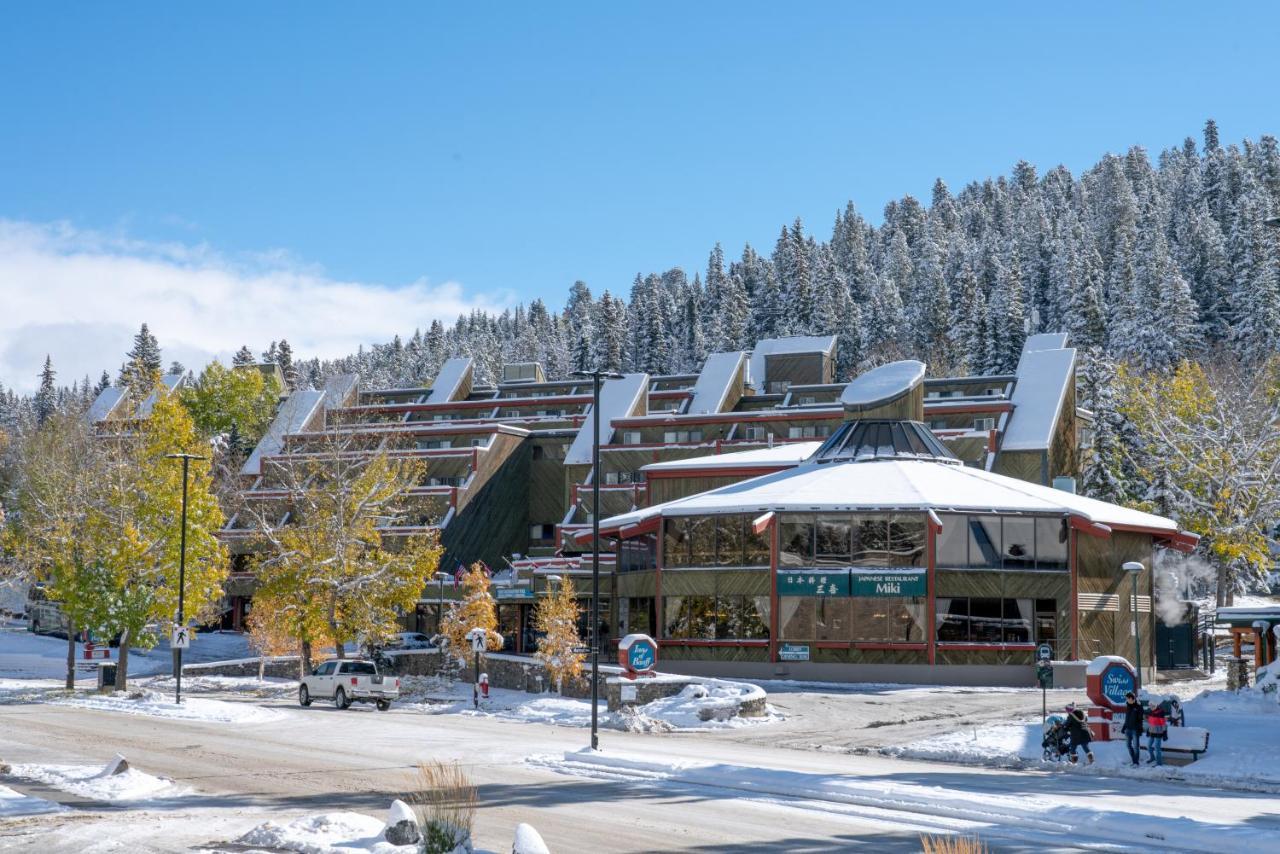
[409, 640]
[347, 682]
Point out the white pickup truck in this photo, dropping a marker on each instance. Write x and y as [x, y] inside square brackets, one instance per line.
[348, 681]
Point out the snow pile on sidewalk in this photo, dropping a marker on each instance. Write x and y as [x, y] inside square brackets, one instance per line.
[270, 688]
[330, 833]
[703, 705]
[709, 704]
[91, 781]
[1241, 751]
[141, 702]
[1012, 815]
[15, 804]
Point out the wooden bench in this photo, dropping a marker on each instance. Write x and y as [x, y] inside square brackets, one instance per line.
[1184, 745]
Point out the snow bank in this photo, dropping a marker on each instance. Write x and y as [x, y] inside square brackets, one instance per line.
[702, 705]
[1241, 751]
[142, 702]
[330, 833]
[24, 655]
[1013, 814]
[15, 804]
[89, 781]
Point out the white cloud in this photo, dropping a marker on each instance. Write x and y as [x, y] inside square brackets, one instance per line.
[81, 295]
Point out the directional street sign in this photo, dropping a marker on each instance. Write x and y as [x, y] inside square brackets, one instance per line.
[1044, 652]
[181, 638]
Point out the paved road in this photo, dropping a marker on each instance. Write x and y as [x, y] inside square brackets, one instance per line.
[319, 760]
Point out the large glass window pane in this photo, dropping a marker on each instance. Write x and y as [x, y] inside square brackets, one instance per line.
[796, 541]
[702, 541]
[952, 617]
[907, 540]
[756, 546]
[986, 620]
[1017, 620]
[906, 619]
[1019, 539]
[639, 616]
[870, 618]
[953, 542]
[674, 617]
[797, 617]
[831, 540]
[729, 540]
[831, 619]
[871, 541]
[1051, 543]
[984, 542]
[675, 543]
[743, 619]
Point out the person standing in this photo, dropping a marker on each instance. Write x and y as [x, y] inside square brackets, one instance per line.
[1132, 728]
[1177, 717]
[1078, 733]
[1157, 732]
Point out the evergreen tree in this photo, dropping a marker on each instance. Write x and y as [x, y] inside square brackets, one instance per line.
[104, 383]
[142, 370]
[243, 358]
[46, 396]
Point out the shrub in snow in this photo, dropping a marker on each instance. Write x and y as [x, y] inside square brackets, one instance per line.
[445, 807]
[528, 841]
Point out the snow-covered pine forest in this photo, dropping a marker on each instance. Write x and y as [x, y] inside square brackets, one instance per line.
[1141, 260]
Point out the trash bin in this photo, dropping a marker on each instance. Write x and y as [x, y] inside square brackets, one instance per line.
[107, 676]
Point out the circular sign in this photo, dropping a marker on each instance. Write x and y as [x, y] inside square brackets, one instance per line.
[638, 655]
[1108, 679]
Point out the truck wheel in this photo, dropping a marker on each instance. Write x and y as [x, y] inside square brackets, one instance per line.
[383, 705]
[304, 696]
[340, 699]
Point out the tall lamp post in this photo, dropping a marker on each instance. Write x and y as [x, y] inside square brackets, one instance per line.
[596, 377]
[441, 578]
[1135, 569]
[182, 569]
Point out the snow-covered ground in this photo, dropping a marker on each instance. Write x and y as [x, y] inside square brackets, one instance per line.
[1242, 745]
[138, 702]
[704, 706]
[14, 804]
[95, 783]
[328, 833]
[24, 655]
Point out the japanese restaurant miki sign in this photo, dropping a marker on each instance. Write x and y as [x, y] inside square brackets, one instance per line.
[858, 582]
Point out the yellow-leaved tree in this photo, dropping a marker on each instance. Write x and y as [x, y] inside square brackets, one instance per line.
[270, 633]
[557, 620]
[1208, 453]
[137, 526]
[347, 550]
[476, 610]
[240, 398]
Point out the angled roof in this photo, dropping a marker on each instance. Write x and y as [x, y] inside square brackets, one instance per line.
[784, 454]
[894, 484]
[882, 384]
[714, 382]
[618, 398]
[1044, 378]
[778, 346]
[292, 416]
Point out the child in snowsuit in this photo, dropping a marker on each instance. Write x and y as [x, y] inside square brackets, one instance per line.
[1157, 732]
[1132, 728]
[1078, 731]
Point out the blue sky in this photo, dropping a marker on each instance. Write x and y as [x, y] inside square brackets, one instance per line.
[500, 151]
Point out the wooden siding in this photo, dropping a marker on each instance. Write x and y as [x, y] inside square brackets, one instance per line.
[492, 518]
[1098, 562]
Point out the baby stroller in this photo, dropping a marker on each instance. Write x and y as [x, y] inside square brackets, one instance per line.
[1055, 743]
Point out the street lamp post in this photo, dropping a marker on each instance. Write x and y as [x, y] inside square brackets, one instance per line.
[182, 570]
[596, 376]
[1135, 569]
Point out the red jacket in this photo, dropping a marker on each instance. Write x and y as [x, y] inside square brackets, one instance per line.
[1157, 724]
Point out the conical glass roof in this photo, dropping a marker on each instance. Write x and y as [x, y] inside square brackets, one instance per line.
[859, 441]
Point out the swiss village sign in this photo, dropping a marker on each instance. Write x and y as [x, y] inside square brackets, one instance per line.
[866, 583]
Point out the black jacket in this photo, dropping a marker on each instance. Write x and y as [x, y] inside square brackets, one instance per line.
[1077, 728]
[1132, 717]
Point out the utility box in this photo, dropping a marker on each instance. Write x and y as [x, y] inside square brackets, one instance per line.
[106, 677]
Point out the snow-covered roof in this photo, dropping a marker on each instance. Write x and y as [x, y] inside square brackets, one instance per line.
[786, 454]
[447, 382]
[168, 382]
[1044, 378]
[779, 346]
[712, 387]
[1239, 613]
[882, 384]
[340, 390]
[292, 416]
[618, 398]
[104, 404]
[894, 484]
[1045, 341]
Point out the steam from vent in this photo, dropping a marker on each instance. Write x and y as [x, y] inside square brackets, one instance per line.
[1178, 578]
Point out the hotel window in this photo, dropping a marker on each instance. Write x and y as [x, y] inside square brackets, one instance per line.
[1010, 542]
[984, 424]
[807, 400]
[673, 436]
[779, 386]
[754, 433]
[631, 437]
[809, 431]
